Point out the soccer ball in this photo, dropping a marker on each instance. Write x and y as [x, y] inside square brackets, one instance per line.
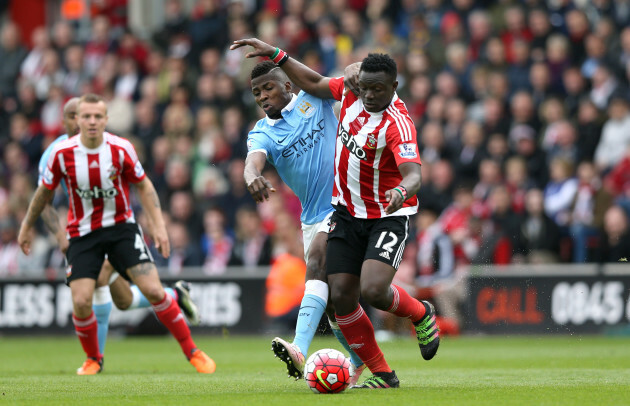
[327, 371]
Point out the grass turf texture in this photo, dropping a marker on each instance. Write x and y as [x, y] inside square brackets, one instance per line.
[566, 370]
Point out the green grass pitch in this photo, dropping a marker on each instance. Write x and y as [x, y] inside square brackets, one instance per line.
[565, 370]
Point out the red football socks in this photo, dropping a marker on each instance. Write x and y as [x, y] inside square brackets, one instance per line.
[403, 305]
[359, 332]
[87, 331]
[169, 313]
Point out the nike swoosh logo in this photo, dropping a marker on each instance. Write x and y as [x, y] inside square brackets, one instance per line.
[319, 373]
[280, 141]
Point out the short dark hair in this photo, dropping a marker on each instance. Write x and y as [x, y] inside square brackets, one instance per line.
[262, 69]
[380, 63]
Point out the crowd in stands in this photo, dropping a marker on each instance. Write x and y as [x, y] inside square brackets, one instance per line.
[522, 110]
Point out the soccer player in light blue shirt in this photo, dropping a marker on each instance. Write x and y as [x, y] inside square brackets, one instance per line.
[125, 296]
[298, 137]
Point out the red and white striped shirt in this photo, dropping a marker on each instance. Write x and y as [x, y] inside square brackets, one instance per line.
[97, 180]
[370, 147]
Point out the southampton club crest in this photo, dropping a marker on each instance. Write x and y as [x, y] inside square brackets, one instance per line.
[112, 173]
[371, 141]
[331, 226]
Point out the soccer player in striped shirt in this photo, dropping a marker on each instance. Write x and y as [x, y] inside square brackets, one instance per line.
[377, 176]
[97, 168]
[297, 137]
[125, 297]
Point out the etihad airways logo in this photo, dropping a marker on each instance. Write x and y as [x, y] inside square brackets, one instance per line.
[306, 142]
[350, 142]
[97, 193]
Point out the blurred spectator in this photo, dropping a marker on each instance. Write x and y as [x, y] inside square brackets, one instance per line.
[182, 209]
[471, 152]
[33, 65]
[455, 221]
[574, 86]
[284, 291]
[589, 126]
[541, 29]
[615, 244]
[173, 37]
[437, 276]
[525, 146]
[76, 76]
[516, 29]
[437, 186]
[615, 136]
[578, 28]
[207, 29]
[587, 211]
[562, 136]
[12, 54]
[216, 242]
[603, 84]
[9, 248]
[560, 191]
[252, 246]
[539, 237]
[503, 229]
[62, 36]
[433, 147]
[237, 194]
[30, 142]
[99, 44]
[523, 110]
[184, 252]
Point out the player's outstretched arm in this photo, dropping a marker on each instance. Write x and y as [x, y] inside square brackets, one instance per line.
[42, 197]
[408, 187]
[257, 185]
[151, 204]
[51, 220]
[301, 75]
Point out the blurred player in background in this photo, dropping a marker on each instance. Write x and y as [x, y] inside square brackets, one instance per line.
[97, 168]
[297, 137]
[377, 176]
[125, 297]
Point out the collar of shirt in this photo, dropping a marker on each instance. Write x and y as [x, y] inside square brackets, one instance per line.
[286, 109]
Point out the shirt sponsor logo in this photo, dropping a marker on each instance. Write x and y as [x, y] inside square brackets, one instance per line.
[97, 193]
[306, 142]
[350, 142]
[408, 151]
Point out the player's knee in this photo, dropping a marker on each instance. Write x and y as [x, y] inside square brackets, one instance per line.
[82, 303]
[315, 268]
[121, 304]
[374, 295]
[153, 293]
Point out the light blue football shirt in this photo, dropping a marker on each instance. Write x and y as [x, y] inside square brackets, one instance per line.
[301, 145]
[43, 161]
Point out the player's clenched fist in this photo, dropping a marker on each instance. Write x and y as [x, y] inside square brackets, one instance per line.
[259, 188]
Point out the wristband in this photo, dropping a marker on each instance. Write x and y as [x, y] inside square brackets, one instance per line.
[275, 53]
[283, 60]
[279, 57]
[402, 190]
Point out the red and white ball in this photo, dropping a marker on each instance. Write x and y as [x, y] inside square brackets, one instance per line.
[327, 371]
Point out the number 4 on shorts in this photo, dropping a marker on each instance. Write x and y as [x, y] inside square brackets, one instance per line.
[141, 246]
